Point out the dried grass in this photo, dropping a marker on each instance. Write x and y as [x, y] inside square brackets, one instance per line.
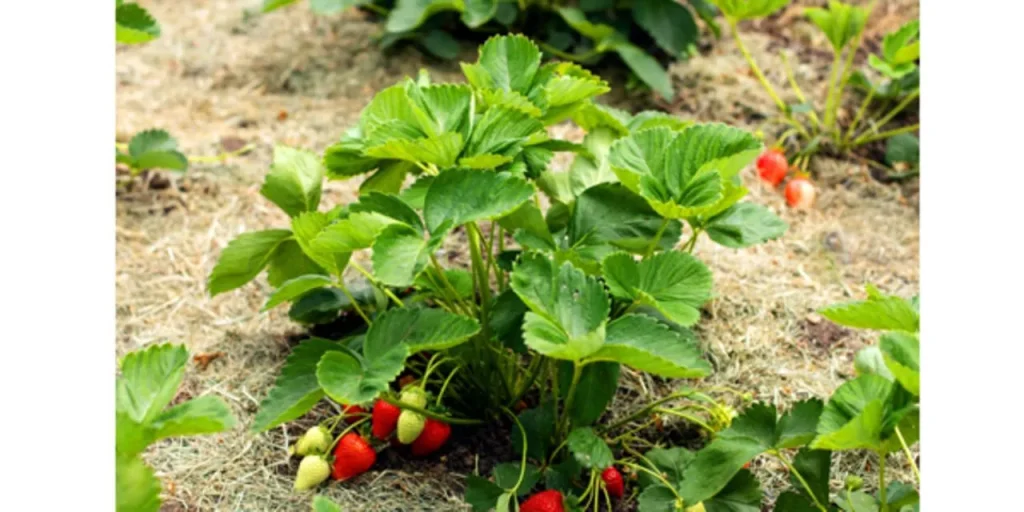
[219, 73]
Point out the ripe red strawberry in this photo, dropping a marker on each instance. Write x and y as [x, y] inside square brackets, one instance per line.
[353, 456]
[799, 193]
[351, 412]
[545, 501]
[613, 481]
[772, 166]
[385, 419]
[434, 435]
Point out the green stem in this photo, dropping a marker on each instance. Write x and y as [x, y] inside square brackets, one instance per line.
[796, 88]
[645, 410]
[833, 75]
[501, 249]
[581, 57]
[482, 278]
[692, 242]
[800, 478]
[885, 135]
[687, 417]
[343, 432]
[432, 415]
[444, 387]
[577, 371]
[910, 456]
[449, 288]
[376, 283]
[656, 475]
[355, 303]
[754, 67]
[860, 115]
[590, 486]
[522, 462]
[881, 483]
[657, 238]
[891, 114]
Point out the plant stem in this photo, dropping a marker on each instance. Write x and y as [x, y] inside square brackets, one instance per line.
[376, 283]
[885, 135]
[687, 417]
[646, 409]
[892, 113]
[833, 75]
[355, 304]
[343, 432]
[449, 288]
[860, 115]
[582, 58]
[796, 88]
[522, 462]
[433, 415]
[754, 67]
[577, 371]
[800, 478]
[482, 277]
[655, 474]
[881, 482]
[501, 249]
[657, 238]
[910, 456]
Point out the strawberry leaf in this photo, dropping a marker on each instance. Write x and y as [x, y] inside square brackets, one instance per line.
[744, 225]
[841, 22]
[481, 493]
[882, 312]
[739, 10]
[501, 131]
[506, 476]
[741, 494]
[134, 24]
[647, 345]
[400, 254]
[307, 228]
[149, 380]
[288, 262]
[203, 415]
[294, 182]
[350, 380]
[296, 389]
[674, 283]
[441, 150]
[509, 63]
[295, 288]
[589, 450]
[410, 14]
[419, 329]
[155, 149]
[594, 391]
[669, 23]
[479, 12]
[462, 196]
[902, 355]
[138, 489]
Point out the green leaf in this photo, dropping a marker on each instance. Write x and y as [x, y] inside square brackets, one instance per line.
[388, 205]
[400, 253]
[899, 495]
[149, 380]
[652, 119]
[479, 12]
[882, 312]
[901, 353]
[508, 99]
[592, 116]
[669, 23]
[594, 391]
[440, 44]
[707, 12]
[441, 150]
[138, 489]
[568, 308]
[323, 504]
[388, 179]
[349, 380]
[410, 14]
[134, 24]
[270, 5]
[575, 18]
[319, 306]
[295, 288]
[307, 228]
[295, 181]
[670, 462]
[589, 450]
[510, 61]
[563, 476]
[870, 361]
[798, 426]
[646, 68]
[749, 9]
[156, 149]
[539, 425]
[744, 225]
[288, 262]
[506, 320]
[529, 219]
[841, 22]
[203, 415]
[346, 159]
[647, 345]
[506, 475]
[132, 438]
[500, 131]
[791, 501]
[741, 494]
[814, 467]
[566, 90]
[443, 108]
[675, 283]
[609, 217]
[358, 231]
[461, 280]
[657, 498]
[855, 415]
[905, 148]
[296, 389]
[419, 329]
[481, 493]
[899, 47]
[332, 6]
[715, 466]
[859, 502]
[462, 196]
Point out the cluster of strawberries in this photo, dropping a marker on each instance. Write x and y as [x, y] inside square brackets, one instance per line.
[772, 167]
[353, 454]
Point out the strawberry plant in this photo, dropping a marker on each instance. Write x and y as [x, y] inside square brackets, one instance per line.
[134, 24]
[148, 382]
[643, 34]
[554, 300]
[152, 149]
[809, 130]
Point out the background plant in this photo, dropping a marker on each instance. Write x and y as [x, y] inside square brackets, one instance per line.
[552, 316]
[148, 382]
[810, 130]
[644, 34]
[134, 23]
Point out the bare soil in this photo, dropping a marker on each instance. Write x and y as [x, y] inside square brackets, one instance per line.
[221, 76]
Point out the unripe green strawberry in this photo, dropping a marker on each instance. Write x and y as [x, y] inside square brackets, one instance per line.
[313, 470]
[414, 396]
[410, 425]
[315, 440]
[854, 482]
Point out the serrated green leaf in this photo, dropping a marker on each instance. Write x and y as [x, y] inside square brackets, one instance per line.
[647, 345]
[410, 14]
[462, 196]
[419, 329]
[481, 493]
[306, 229]
[349, 380]
[346, 159]
[646, 68]
[715, 466]
[203, 415]
[152, 140]
[149, 380]
[749, 9]
[296, 389]
[440, 44]
[510, 62]
[484, 162]
[295, 288]
[653, 119]
[390, 206]
[594, 391]
[506, 320]
[508, 99]
[608, 217]
[539, 425]
[799, 425]
[741, 494]
[529, 219]
[855, 415]
[745, 224]
[841, 22]
[479, 12]
[319, 306]
[388, 179]
[870, 361]
[671, 462]
[288, 262]
[814, 467]
[566, 90]
[675, 283]
[391, 114]
[244, 258]
[901, 353]
[358, 231]
[547, 337]
[882, 312]
[294, 182]
[131, 437]
[134, 24]
[669, 23]
[575, 18]
[170, 160]
[400, 253]
[905, 148]
[138, 489]
[857, 501]
[441, 150]
[506, 475]
[589, 450]
[500, 131]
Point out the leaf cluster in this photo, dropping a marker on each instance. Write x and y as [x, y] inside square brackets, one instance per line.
[152, 149]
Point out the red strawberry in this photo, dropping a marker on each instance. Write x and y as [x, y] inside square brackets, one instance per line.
[351, 412]
[385, 419]
[434, 435]
[799, 193]
[613, 481]
[772, 166]
[546, 501]
[352, 457]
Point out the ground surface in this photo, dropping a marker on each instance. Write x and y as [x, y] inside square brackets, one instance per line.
[219, 76]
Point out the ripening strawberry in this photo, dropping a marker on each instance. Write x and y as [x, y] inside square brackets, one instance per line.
[315, 440]
[385, 419]
[613, 481]
[772, 166]
[352, 457]
[351, 412]
[545, 501]
[800, 193]
[435, 434]
[313, 470]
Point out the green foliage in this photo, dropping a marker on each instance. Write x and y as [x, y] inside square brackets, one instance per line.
[739, 10]
[148, 382]
[841, 22]
[153, 149]
[134, 24]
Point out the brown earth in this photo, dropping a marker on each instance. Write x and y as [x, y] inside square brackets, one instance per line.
[222, 75]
